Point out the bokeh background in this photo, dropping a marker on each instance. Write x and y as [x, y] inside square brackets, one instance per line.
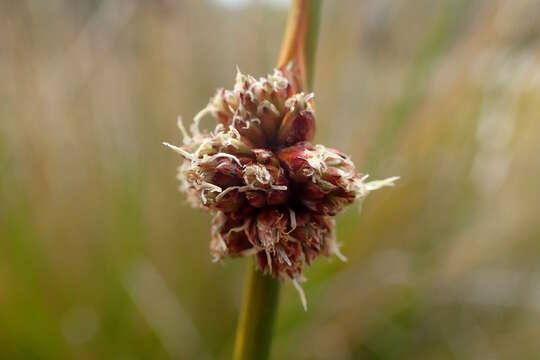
[101, 258]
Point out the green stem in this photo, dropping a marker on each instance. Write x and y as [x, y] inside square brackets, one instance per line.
[257, 317]
[261, 294]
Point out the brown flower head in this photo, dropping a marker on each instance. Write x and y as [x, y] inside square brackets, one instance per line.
[272, 193]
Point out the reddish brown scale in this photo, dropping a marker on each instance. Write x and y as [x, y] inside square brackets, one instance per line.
[229, 167]
[312, 191]
[248, 102]
[235, 240]
[251, 131]
[294, 160]
[237, 243]
[245, 212]
[230, 202]
[270, 120]
[270, 225]
[256, 198]
[294, 254]
[222, 180]
[296, 128]
[277, 197]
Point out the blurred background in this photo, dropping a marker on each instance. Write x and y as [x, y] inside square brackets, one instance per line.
[101, 258]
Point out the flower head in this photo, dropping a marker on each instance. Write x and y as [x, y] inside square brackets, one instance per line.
[271, 192]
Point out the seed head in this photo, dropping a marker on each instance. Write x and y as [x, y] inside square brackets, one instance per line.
[272, 194]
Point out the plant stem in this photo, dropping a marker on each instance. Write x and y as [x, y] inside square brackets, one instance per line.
[300, 40]
[254, 332]
[261, 294]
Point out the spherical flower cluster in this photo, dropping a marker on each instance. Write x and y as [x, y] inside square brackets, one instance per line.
[272, 193]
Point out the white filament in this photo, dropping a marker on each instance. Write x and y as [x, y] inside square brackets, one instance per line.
[301, 293]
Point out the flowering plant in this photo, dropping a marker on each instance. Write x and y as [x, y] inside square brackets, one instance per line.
[272, 193]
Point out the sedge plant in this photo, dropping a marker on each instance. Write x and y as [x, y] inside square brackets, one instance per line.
[272, 194]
